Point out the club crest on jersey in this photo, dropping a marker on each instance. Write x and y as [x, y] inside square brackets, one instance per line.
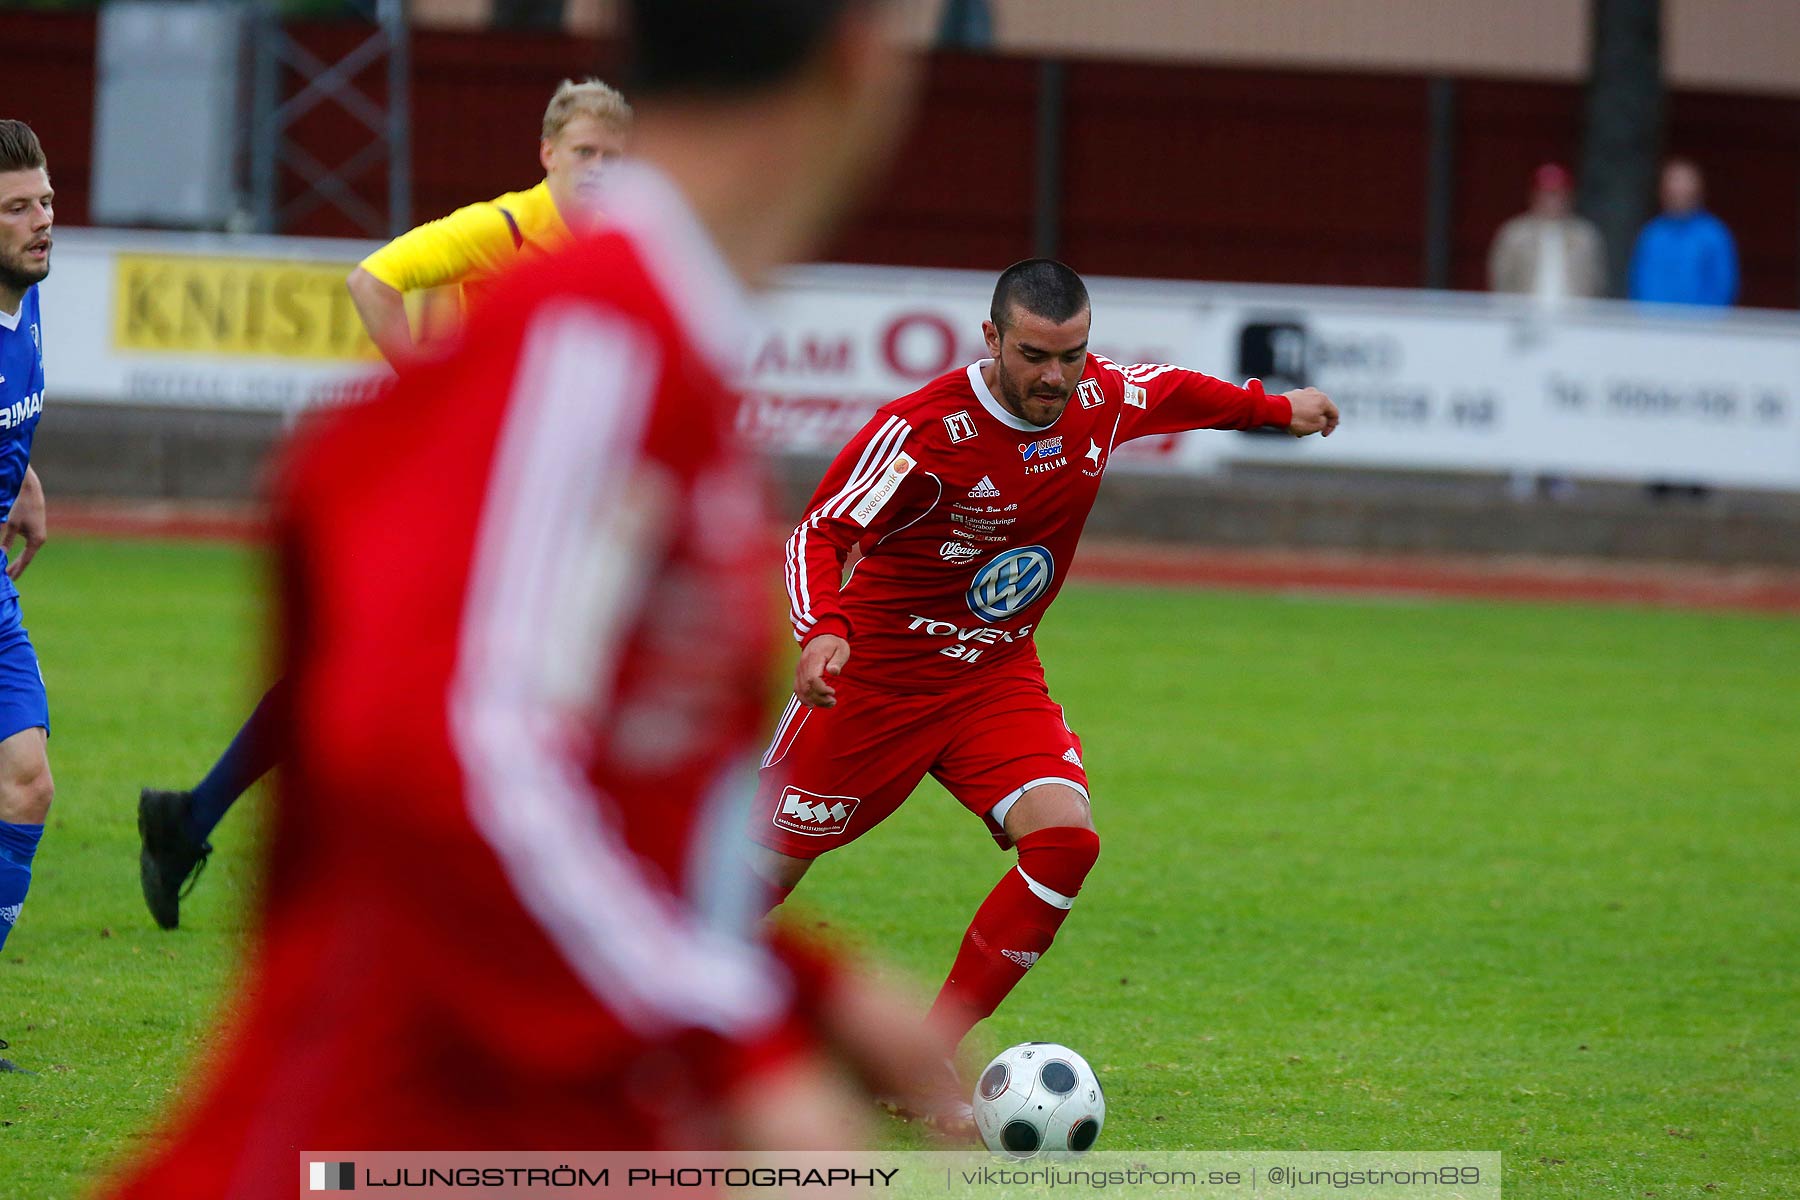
[985, 490]
[814, 815]
[960, 426]
[1012, 583]
[1090, 393]
[1094, 461]
[1045, 454]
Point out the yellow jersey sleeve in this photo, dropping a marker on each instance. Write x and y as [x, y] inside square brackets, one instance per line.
[475, 240]
[540, 225]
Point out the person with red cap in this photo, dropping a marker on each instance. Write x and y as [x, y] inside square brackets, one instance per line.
[1549, 251]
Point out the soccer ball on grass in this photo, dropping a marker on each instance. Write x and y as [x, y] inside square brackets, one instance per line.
[1039, 1098]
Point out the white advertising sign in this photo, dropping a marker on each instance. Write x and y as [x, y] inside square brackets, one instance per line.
[1426, 381]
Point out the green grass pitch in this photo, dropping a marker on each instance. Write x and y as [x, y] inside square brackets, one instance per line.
[1375, 875]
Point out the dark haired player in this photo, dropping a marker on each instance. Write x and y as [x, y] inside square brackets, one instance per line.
[967, 498]
[525, 628]
[26, 214]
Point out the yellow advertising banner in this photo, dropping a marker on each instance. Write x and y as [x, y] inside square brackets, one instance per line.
[268, 308]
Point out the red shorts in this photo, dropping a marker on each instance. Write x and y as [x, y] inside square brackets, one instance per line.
[833, 774]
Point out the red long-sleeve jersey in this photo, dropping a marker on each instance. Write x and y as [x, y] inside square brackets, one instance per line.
[526, 646]
[968, 516]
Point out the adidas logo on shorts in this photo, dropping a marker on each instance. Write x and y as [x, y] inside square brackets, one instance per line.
[1069, 755]
[985, 490]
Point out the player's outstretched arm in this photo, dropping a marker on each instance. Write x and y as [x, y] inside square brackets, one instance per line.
[821, 660]
[29, 518]
[383, 313]
[1313, 412]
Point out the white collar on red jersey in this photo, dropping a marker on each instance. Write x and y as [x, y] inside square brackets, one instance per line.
[706, 296]
[997, 410]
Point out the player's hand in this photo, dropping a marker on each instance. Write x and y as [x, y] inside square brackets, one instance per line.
[1313, 412]
[821, 659]
[27, 518]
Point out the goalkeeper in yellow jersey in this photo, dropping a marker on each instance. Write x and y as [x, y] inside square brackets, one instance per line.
[585, 129]
[584, 132]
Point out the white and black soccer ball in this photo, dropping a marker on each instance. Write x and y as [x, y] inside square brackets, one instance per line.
[1039, 1098]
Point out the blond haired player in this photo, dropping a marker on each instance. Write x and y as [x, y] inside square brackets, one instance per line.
[585, 129]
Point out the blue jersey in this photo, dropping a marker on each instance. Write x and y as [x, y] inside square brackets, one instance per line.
[21, 399]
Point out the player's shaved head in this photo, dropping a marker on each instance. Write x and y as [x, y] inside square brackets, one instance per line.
[1042, 287]
[725, 47]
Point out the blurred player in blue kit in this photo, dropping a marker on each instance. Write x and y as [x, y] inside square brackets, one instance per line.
[25, 786]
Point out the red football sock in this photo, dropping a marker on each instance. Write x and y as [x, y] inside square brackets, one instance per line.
[1015, 925]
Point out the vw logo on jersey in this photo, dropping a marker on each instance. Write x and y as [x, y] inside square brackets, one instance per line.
[1011, 583]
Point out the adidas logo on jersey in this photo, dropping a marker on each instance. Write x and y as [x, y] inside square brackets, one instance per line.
[1069, 755]
[985, 490]
[1025, 958]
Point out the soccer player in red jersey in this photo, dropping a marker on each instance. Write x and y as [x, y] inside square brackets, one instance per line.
[967, 499]
[526, 631]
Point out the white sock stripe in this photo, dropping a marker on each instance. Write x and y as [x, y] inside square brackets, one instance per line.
[1052, 898]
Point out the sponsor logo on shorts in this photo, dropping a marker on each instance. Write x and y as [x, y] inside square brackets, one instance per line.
[1069, 755]
[814, 815]
[1011, 583]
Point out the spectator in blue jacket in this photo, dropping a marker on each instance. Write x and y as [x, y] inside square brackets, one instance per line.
[1686, 255]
